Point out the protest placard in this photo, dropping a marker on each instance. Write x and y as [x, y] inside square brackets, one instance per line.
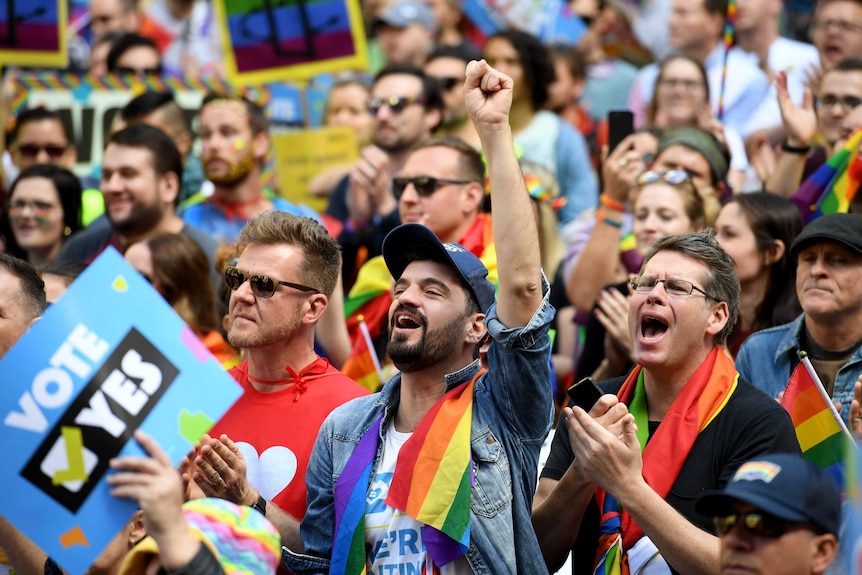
[33, 33]
[110, 356]
[270, 40]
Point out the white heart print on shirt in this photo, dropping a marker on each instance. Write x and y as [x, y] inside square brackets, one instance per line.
[271, 471]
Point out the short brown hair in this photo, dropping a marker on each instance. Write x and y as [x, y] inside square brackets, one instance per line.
[257, 120]
[470, 166]
[322, 262]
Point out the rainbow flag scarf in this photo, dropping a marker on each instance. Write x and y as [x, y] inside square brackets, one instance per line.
[703, 397]
[821, 432]
[431, 484]
[832, 187]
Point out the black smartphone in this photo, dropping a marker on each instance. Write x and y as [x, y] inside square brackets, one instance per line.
[621, 123]
[585, 393]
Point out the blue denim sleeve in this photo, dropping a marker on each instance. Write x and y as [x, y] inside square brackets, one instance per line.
[519, 376]
[318, 525]
[575, 175]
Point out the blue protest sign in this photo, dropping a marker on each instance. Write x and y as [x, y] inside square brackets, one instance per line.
[109, 357]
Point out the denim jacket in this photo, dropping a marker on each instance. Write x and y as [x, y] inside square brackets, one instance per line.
[768, 357]
[512, 413]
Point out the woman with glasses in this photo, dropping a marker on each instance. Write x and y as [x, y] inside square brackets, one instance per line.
[346, 105]
[681, 99]
[42, 210]
[757, 230]
[178, 269]
[664, 204]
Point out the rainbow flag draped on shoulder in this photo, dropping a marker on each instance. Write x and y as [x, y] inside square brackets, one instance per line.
[822, 435]
[833, 186]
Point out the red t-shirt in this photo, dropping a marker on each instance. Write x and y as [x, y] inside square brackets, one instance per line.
[275, 431]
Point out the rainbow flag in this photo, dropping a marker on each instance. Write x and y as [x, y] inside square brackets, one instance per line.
[348, 545]
[729, 32]
[820, 431]
[433, 475]
[832, 187]
[363, 366]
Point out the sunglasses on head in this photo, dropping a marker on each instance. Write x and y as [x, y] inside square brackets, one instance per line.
[30, 151]
[672, 177]
[261, 285]
[449, 82]
[396, 103]
[757, 524]
[424, 185]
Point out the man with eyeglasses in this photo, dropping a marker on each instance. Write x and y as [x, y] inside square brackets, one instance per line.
[817, 129]
[828, 255]
[407, 108]
[280, 286]
[836, 31]
[622, 475]
[40, 137]
[778, 515]
[442, 188]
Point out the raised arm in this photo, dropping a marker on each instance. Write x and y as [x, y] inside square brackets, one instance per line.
[488, 96]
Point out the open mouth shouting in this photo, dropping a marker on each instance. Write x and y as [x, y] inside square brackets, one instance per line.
[652, 328]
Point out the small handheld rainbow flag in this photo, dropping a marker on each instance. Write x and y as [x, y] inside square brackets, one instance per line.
[821, 432]
[832, 187]
[363, 366]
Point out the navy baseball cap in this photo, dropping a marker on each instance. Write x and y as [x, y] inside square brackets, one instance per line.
[784, 485]
[410, 242]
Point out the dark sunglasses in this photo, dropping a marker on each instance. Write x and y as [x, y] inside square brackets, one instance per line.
[449, 82]
[396, 103]
[139, 72]
[672, 177]
[261, 286]
[425, 185]
[757, 524]
[30, 151]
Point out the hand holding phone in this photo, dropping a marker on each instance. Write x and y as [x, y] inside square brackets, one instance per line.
[585, 393]
[620, 126]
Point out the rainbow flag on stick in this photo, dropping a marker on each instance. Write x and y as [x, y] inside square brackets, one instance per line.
[821, 432]
[363, 365]
[833, 186]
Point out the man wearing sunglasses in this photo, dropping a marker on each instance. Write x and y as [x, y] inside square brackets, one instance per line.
[448, 65]
[442, 310]
[623, 473]
[280, 286]
[778, 515]
[407, 108]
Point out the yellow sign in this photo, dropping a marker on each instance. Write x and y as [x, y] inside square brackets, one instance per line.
[301, 155]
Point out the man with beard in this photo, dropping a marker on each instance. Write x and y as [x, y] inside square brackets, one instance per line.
[407, 107]
[438, 469]
[141, 174]
[257, 454]
[235, 138]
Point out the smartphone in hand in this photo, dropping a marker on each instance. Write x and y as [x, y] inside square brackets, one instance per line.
[621, 124]
[585, 393]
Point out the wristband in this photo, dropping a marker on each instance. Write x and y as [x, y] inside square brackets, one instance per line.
[602, 217]
[794, 149]
[260, 505]
[611, 203]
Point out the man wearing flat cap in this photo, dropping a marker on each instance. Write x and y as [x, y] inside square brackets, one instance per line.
[779, 515]
[829, 330]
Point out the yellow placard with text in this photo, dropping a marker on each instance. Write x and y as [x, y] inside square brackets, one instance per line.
[33, 33]
[301, 155]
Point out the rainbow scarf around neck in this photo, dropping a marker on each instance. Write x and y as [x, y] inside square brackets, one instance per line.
[431, 484]
[700, 401]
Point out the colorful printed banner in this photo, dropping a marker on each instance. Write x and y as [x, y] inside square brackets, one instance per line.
[268, 40]
[33, 33]
[109, 357]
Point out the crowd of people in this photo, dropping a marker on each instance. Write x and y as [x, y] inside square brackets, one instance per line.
[489, 248]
